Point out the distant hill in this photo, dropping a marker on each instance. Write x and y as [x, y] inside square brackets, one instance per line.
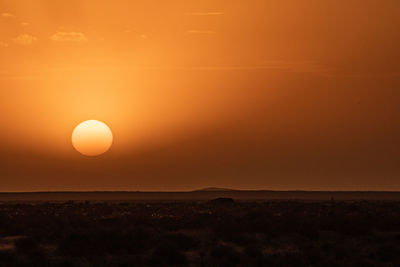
[214, 189]
[205, 194]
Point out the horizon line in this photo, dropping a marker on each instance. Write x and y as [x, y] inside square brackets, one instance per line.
[202, 190]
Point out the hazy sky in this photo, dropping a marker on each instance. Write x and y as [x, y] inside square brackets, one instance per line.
[268, 94]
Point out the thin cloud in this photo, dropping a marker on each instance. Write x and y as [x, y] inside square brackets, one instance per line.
[295, 66]
[137, 33]
[73, 37]
[25, 39]
[311, 67]
[7, 15]
[3, 44]
[201, 32]
[19, 77]
[24, 24]
[204, 13]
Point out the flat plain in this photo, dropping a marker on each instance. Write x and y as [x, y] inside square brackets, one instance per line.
[217, 228]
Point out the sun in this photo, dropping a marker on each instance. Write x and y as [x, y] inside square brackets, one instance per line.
[92, 138]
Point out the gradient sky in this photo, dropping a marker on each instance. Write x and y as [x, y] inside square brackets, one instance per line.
[260, 94]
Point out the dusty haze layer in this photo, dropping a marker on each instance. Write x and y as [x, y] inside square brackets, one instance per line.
[261, 95]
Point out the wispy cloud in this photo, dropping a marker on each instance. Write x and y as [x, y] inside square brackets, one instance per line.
[7, 15]
[295, 66]
[3, 44]
[25, 39]
[204, 13]
[73, 37]
[201, 32]
[24, 24]
[19, 77]
[137, 33]
[311, 67]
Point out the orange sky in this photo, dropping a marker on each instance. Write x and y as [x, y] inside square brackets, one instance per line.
[277, 94]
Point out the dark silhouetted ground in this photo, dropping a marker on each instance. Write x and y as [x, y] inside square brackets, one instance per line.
[200, 233]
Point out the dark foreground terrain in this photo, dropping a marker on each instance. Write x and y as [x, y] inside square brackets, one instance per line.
[200, 233]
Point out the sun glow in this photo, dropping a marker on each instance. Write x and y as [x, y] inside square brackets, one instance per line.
[92, 138]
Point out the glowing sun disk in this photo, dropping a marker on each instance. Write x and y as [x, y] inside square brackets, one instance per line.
[92, 138]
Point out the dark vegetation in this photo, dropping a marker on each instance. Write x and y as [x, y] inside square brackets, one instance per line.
[207, 233]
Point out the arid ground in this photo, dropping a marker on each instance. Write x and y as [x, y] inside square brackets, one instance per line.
[213, 232]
